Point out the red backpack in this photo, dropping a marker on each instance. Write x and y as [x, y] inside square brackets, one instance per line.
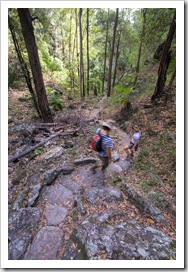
[96, 143]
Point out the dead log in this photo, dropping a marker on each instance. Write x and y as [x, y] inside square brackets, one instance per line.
[28, 150]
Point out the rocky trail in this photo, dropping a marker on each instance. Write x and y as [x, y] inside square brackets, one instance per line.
[59, 210]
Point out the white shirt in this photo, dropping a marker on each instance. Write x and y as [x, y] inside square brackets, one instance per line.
[136, 137]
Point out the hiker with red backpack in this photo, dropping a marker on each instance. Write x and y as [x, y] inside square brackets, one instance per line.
[102, 143]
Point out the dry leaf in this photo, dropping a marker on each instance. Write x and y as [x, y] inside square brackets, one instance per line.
[150, 221]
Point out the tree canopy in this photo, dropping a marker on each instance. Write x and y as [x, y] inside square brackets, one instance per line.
[78, 48]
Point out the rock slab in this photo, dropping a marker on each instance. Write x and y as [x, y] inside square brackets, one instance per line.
[46, 244]
[126, 240]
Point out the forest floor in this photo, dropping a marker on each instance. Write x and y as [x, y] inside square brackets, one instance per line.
[153, 173]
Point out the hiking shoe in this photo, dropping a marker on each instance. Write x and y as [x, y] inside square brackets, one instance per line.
[93, 170]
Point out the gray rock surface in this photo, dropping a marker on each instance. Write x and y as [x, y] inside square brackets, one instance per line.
[93, 195]
[70, 184]
[67, 169]
[56, 195]
[18, 246]
[52, 153]
[46, 244]
[122, 241]
[55, 215]
[25, 218]
[142, 204]
[85, 161]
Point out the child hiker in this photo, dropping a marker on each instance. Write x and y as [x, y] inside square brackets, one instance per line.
[133, 143]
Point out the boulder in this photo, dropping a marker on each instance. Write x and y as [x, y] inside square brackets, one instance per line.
[51, 175]
[17, 247]
[143, 204]
[85, 161]
[113, 169]
[23, 219]
[53, 153]
[97, 239]
[112, 173]
[67, 169]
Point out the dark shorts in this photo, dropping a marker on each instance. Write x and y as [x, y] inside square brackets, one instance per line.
[131, 146]
[104, 161]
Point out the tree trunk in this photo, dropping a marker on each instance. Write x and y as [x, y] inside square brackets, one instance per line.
[88, 51]
[104, 73]
[76, 37]
[82, 91]
[111, 56]
[116, 61]
[70, 56]
[23, 65]
[140, 47]
[28, 34]
[165, 59]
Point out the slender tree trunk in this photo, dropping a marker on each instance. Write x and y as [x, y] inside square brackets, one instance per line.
[76, 35]
[63, 44]
[82, 91]
[116, 61]
[104, 73]
[23, 65]
[165, 59]
[70, 55]
[140, 47]
[112, 53]
[88, 51]
[28, 34]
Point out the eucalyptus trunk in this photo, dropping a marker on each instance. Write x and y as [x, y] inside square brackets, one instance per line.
[29, 37]
[82, 91]
[106, 42]
[116, 60]
[165, 59]
[111, 56]
[23, 65]
[87, 51]
[140, 47]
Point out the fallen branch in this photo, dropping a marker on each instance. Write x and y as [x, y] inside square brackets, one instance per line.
[28, 150]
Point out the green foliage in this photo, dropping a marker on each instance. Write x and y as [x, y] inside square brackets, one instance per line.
[38, 151]
[55, 99]
[49, 62]
[122, 93]
[12, 76]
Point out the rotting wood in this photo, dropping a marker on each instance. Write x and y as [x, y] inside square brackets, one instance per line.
[28, 150]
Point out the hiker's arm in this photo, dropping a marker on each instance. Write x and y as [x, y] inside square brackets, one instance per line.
[108, 151]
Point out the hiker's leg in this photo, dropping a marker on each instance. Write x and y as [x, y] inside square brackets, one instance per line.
[126, 148]
[97, 165]
[136, 147]
[104, 162]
